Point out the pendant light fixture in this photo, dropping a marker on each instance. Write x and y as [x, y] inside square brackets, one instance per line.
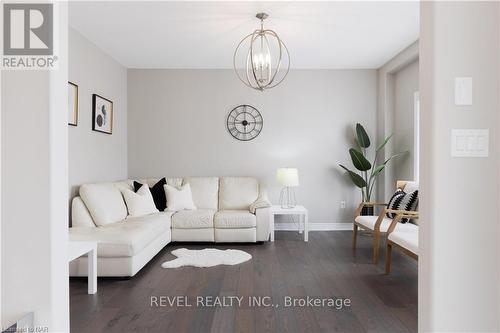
[263, 53]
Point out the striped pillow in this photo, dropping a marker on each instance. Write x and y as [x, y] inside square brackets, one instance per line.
[395, 201]
[403, 201]
[409, 203]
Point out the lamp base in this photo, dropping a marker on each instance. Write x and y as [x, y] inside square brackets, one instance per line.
[288, 200]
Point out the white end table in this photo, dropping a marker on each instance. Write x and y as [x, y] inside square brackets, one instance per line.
[78, 249]
[301, 211]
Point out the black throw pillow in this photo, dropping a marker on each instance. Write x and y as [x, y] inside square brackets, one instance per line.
[157, 192]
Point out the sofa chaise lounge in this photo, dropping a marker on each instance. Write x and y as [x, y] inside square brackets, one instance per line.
[224, 212]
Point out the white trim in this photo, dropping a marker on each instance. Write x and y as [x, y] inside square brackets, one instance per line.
[385, 113]
[289, 226]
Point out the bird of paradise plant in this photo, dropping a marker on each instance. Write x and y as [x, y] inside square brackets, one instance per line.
[369, 171]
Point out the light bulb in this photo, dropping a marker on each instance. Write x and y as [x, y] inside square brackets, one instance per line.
[268, 60]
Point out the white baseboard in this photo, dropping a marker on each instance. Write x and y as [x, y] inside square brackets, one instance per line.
[288, 226]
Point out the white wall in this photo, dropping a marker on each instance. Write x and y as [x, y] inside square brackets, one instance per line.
[386, 110]
[405, 86]
[459, 233]
[21, 293]
[34, 190]
[95, 156]
[177, 127]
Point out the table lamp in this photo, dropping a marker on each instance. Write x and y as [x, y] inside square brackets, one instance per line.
[288, 178]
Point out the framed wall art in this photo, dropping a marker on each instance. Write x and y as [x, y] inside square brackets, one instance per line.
[72, 104]
[102, 114]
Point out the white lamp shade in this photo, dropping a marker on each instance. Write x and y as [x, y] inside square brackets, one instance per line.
[288, 177]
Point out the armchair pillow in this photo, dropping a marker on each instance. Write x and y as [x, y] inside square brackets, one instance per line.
[403, 201]
[409, 203]
[179, 199]
[139, 203]
[394, 202]
[157, 192]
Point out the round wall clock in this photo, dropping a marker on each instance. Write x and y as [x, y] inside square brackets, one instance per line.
[244, 122]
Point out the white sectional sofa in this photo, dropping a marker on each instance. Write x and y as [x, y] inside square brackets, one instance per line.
[224, 213]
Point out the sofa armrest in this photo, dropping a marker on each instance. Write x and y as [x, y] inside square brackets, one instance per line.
[80, 215]
[262, 201]
[263, 216]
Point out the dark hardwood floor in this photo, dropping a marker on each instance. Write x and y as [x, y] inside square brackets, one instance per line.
[325, 267]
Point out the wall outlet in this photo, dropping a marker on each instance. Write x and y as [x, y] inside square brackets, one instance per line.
[342, 204]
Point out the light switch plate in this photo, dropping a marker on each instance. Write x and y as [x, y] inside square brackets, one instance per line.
[463, 91]
[470, 142]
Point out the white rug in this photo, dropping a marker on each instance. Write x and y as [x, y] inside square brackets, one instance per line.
[206, 258]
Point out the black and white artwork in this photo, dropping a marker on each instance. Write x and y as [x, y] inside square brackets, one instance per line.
[102, 114]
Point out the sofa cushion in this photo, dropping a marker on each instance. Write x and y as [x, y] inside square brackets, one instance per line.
[172, 181]
[104, 202]
[369, 222]
[205, 191]
[80, 215]
[406, 236]
[237, 193]
[193, 219]
[139, 203]
[125, 238]
[124, 184]
[234, 219]
[179, 199]
[157, 192]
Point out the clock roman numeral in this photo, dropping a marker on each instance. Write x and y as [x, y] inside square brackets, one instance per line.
[248, 115]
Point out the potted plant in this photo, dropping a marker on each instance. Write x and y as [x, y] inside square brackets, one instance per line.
[369, 171]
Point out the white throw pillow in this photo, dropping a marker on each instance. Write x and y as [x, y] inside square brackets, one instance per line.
[139, 203]
[179, 199]
[104, 202]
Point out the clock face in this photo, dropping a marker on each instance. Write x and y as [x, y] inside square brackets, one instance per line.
[244, 122]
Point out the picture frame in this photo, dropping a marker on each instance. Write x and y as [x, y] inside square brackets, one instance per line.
[72, 104]
[102, 114]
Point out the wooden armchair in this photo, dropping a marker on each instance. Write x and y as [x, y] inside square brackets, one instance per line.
[404, 237]
[376, 225]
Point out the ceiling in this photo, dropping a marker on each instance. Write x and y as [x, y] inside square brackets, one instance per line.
[187, 34]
